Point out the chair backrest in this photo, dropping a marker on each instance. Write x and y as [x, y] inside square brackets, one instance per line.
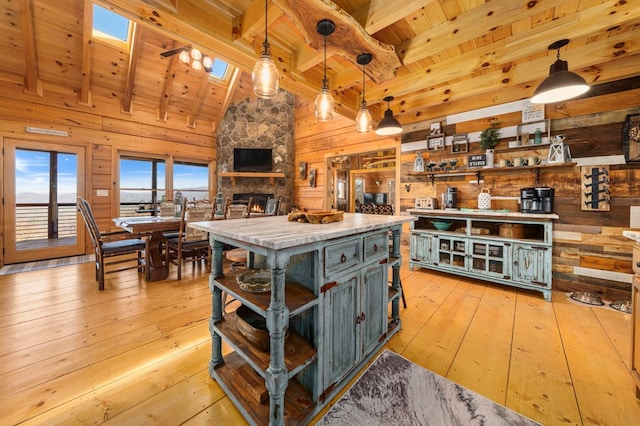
[194, 212]
[237, 209]
[385, 209]
[87, 216]
[167, 209]
[368, 208]
[272, 208]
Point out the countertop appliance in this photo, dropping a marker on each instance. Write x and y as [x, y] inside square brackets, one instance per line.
[426, 203]
[536, 200]
[450, 199]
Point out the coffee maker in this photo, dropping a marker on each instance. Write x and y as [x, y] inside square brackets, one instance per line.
[450, 199]
[536, 200]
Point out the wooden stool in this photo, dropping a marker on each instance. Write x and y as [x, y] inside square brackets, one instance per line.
[237, 257]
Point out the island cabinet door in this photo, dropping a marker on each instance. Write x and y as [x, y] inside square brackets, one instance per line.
[340, 309]
[372, 318]
[420, 247]
[530, 264]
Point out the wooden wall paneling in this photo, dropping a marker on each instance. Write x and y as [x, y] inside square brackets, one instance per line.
[157, 132]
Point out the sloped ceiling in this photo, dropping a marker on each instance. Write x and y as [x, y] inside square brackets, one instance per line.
[436, 57]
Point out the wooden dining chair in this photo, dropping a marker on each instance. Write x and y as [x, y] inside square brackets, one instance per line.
[272, 207]
[237, 209]
[191, 245]
[118, 246]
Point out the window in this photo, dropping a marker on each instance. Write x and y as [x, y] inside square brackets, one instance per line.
[219, 69]
[191, 180]
[110, 25]
[145, 183]
[142, 185]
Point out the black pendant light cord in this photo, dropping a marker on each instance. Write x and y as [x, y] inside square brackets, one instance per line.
[364, 102]
[325, 82]
[265, 45]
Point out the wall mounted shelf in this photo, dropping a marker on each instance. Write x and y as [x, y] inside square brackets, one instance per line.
[478, 172]
[234, 175]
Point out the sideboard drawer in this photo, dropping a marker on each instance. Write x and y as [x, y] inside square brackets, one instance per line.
[376, 246]
[636, 259]
[342, 256]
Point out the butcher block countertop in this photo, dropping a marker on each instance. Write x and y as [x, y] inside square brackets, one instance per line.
[276, 232]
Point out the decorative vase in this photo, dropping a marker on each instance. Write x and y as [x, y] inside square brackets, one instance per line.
[488, 158]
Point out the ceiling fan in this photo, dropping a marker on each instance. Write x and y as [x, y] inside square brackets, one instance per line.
[191, 55]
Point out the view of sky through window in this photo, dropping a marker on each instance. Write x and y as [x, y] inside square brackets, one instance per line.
[219, 68]
[110, 23]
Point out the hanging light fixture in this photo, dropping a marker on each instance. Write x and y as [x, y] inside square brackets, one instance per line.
[265, 74]
[389, 125]
[364, 122]
[324, 100]
[198, 61]
[561, 84]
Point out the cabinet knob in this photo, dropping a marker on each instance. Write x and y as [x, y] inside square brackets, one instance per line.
[638, 264]
[343, 258]
[375, 247]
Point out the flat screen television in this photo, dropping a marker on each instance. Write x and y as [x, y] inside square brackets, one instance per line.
[252, 160]
[373, 198]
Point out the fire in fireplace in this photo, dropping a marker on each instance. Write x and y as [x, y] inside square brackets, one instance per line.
[259, 201]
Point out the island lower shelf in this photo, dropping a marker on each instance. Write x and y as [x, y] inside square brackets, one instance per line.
[511, 249]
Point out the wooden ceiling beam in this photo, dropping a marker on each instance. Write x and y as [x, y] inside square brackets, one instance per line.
[84, 95]
[201, 93]
[32, 81]
[234, 81]
[383, 13]
[134, 53]
[167, 89]
[349, 38]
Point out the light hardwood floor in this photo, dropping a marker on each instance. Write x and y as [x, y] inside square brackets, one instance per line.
[137, 353]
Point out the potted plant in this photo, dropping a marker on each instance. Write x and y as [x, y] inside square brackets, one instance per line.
[488, 141]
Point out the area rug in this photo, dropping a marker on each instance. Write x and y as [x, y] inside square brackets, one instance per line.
[395, 391]
[44, 264]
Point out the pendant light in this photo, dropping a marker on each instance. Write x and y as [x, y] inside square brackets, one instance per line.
[265, 74]
[561, 84]
[364, 122]
[389, 125]
[324, 100]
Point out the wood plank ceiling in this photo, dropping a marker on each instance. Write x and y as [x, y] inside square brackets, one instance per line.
[436, 57]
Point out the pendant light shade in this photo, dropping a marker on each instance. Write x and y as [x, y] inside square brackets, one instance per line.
[265, 74]
[324, 101]
[561, 84]
[364, 122]
[388, 126]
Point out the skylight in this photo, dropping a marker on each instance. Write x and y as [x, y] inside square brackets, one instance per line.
[108, 24]
[219, 69]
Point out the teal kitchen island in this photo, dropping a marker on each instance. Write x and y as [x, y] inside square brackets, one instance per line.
[326, 312]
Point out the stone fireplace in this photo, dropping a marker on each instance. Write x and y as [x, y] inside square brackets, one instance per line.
[258, 123]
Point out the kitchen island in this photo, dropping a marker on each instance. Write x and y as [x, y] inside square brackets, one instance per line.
[326, 312]
[503, 247]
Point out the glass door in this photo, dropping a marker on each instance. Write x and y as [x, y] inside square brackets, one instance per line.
[42, 183]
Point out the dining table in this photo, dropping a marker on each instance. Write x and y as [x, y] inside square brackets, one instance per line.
[151, 228]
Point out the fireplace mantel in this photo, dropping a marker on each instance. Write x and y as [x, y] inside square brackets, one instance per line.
[234, 175]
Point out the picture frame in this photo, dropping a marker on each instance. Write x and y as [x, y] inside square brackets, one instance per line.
[303, 170]
[435, 142]
[460, 143]
[312, 178]
[631, 138]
